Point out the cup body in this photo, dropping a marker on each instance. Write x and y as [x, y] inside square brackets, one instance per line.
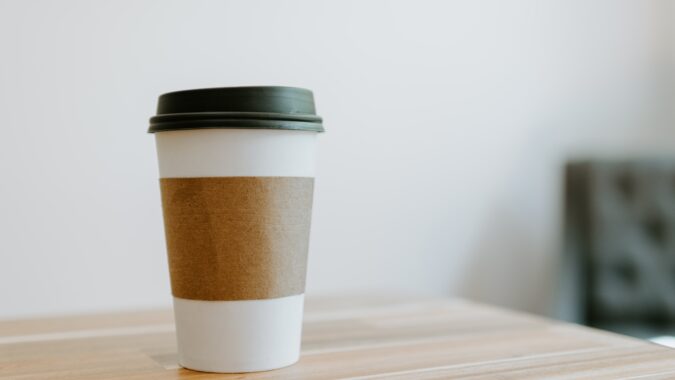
[236, 210]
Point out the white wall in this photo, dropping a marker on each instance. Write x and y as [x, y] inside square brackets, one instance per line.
[447, 122]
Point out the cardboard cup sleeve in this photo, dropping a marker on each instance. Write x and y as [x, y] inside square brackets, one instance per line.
[237, 238]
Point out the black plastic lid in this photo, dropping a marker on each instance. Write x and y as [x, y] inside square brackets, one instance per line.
[262, 107]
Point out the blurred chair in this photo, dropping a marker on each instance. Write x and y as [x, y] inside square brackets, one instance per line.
[619, 256]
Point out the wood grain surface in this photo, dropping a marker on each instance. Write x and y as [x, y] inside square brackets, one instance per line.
[344, 338]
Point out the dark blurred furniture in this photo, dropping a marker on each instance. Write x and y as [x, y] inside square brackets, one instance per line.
[619, 264]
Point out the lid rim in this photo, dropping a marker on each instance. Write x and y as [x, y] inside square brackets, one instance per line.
[235, 124]
[183, 127]
[168, 117]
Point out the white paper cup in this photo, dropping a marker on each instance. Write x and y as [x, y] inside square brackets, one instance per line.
[242, 335]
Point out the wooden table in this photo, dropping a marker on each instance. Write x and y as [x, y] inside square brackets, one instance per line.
[365, 338]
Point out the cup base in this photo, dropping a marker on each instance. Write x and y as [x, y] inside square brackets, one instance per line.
[212, 369]
[238, 336]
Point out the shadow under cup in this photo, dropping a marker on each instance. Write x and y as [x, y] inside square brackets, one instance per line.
[237, 176]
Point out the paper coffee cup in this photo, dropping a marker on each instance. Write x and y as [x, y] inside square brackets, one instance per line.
[237, 174]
